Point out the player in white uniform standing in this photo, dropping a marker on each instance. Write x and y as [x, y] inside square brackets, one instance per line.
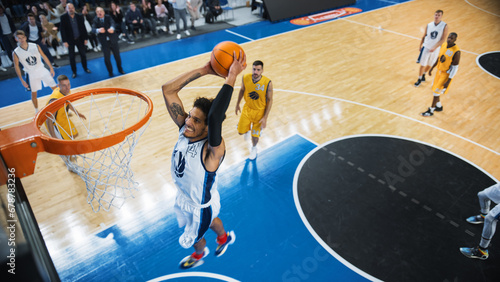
[489, 218]
[434, 36]
[30, 56]
[195, 160]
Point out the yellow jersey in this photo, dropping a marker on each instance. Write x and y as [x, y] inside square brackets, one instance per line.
[63, 124]
[448, 54]
[255, 93]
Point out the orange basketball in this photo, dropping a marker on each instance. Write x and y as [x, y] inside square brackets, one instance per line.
[222, 56]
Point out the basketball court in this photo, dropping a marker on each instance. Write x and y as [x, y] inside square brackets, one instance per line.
[351, 183]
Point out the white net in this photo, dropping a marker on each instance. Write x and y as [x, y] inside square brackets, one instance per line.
[107, 174]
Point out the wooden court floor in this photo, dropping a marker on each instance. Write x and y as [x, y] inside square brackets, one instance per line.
[346, 77]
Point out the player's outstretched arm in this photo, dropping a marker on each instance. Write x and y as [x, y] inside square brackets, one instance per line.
[217, 113]
[171, 93]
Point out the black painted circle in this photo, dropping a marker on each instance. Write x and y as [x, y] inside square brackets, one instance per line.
[490, 62]
[396, 209]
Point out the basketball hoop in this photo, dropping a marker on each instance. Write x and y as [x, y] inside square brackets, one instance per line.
[101, 151]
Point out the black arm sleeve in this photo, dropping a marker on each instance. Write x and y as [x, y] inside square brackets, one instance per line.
[217, 114]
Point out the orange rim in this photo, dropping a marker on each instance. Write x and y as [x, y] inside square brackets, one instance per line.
[73, 147]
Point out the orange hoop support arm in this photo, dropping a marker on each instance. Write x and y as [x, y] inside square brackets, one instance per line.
[20, 145]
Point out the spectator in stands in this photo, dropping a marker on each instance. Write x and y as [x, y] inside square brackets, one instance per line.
[33, 30]
[7, 29]
[105, 29]
[19, 9]
[61, 8]
[194, 11]
[162, 15]
[149, 16]
[134, 20]
[120, 27]
[73, 34]
[180, 13]
[53, 15]
[88, 20]
[214, 10]
[49, 34]
[34, 10]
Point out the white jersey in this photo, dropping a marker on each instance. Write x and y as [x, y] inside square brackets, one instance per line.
[189, 174]
[434, 34]
[31, 59]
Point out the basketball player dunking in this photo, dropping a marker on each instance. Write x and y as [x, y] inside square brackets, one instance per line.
[195, 160]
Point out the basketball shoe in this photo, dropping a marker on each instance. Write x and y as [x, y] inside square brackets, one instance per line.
[191, 261]
[439, 109]
[475, 252]
[221, 248]
[476, 219]
[427, 113]
[253, 153]
[417, 84]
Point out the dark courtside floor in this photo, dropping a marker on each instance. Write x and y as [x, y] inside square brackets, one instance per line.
[396, 209]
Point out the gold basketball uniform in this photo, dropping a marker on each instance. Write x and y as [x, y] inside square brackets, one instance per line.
[63, 126]
[255, 104]
[445, 54]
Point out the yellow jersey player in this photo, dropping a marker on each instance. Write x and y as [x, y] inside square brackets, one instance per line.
[63, 127]
[60, 126]
[447, 66]
[258, 93]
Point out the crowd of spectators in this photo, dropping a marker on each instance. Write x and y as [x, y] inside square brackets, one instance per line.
[134, 20]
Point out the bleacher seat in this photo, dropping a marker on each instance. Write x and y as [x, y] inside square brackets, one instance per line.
[226, 8]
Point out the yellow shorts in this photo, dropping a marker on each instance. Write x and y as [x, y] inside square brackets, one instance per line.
[439, 81]
[249, 119]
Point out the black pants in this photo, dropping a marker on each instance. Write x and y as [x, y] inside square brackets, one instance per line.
[9, 44]
[109, 46]
[135, 27]
[80, 44]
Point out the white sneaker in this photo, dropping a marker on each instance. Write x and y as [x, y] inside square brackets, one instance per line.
[57, 56]
[2, 68]
[253, 153]
[187, 32]
[179, 36]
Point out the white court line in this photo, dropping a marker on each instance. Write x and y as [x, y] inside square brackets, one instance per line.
[252, 40]
[398, 33]
[367, 106]
[237, 34]
[311, 229]
[389, 2]
[194, 274]
[482, 9]
[347, 101]
[486, 71]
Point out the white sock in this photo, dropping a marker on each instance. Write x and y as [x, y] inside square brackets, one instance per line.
[432, 109]
[438, 104]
